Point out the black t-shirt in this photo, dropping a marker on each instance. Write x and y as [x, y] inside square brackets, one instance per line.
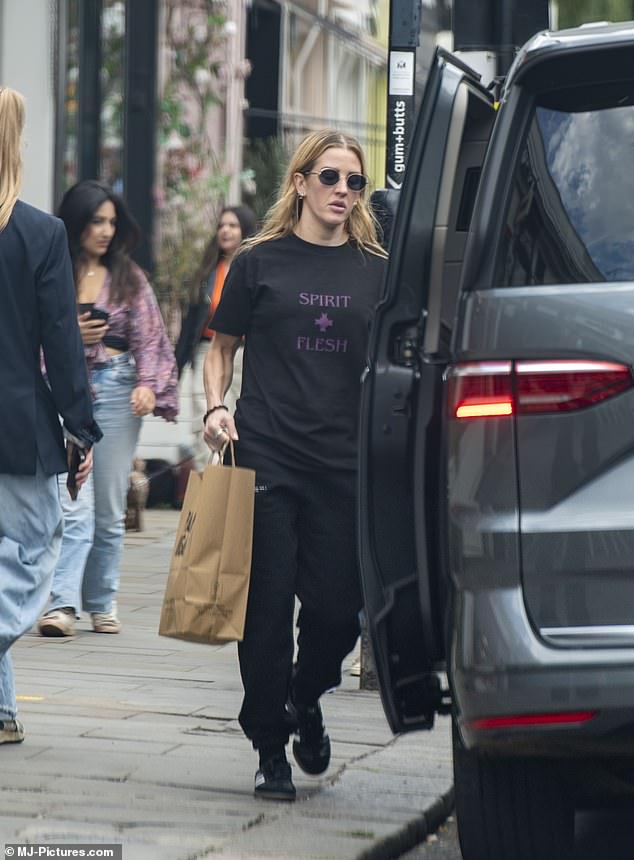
[305, 310]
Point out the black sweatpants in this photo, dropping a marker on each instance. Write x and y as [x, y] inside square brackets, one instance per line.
[303, 544]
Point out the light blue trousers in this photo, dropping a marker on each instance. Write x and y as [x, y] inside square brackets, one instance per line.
[87, 575]
[30, 538]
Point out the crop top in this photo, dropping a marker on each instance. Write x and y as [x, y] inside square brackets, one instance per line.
[113, 341]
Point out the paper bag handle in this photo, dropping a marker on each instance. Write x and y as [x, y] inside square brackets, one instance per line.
[221, 454]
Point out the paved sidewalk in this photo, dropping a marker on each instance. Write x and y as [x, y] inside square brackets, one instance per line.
[133, 739]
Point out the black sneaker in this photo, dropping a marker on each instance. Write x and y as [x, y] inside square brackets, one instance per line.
[273, 780]
[311, 746]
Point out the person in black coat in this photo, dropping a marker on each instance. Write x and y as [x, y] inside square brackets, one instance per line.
[38, 317]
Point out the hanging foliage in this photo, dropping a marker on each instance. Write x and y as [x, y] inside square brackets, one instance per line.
[192, 179]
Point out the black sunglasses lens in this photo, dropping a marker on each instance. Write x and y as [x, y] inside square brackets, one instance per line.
[328, 176]
[356, 182]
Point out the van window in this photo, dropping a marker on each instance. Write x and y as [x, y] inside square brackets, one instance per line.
[571, 212]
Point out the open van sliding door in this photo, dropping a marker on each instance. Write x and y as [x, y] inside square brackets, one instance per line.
[401, 503]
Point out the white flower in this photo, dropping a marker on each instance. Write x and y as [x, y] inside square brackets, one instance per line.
[202, 77]
[174, 142]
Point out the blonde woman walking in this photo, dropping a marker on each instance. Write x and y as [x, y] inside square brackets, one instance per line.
[302, 293]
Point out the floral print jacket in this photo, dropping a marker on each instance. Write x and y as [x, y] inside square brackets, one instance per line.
[140, 323]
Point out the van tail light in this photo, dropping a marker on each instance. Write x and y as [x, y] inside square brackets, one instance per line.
[488, 389]
[482, 389]
[563, 386]
[526, 720]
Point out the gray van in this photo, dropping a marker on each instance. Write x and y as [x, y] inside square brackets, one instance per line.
[496, 523]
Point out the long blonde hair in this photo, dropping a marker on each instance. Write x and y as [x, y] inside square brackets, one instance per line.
[284, 215]
[11, 126]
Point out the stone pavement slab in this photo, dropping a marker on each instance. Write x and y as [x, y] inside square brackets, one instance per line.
[133, 739]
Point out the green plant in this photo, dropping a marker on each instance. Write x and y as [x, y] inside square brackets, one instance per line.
[265, 161]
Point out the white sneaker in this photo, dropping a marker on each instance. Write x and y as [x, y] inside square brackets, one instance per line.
[11, 732]
[106, 622]
[57, 622]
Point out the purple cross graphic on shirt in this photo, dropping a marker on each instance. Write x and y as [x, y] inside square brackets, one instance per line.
[323, 323]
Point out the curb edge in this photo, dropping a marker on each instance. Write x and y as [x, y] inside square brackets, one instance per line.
[414, 832]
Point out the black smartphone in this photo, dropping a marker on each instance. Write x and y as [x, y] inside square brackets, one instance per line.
[99, 314]
[75, 456]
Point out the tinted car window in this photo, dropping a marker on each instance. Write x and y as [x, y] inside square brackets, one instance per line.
[571, 213]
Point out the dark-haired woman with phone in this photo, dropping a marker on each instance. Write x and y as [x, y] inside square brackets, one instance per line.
[132, 373]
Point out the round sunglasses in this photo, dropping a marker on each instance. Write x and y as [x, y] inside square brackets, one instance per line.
[331, 176]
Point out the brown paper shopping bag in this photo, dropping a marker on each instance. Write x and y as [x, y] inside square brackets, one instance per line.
[207, 588]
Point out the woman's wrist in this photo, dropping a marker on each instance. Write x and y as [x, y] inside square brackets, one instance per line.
[214, 409]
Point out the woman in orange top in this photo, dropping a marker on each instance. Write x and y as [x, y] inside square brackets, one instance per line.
[235, 224]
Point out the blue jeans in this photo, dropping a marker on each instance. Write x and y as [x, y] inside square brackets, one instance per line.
[87, 574]
[30, 537]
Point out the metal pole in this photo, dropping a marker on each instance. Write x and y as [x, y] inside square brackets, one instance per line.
[506, 50]
[403, 41]
[140, 119]
[61, 82]
[89, 119]
[234, 126]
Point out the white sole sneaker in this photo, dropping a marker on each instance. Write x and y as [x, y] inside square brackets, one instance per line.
[57, 622]
[11, 732]
[105, 622]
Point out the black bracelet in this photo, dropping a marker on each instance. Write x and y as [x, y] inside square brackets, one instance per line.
[213, 409]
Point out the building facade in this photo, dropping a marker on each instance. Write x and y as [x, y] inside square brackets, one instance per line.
[318, 63]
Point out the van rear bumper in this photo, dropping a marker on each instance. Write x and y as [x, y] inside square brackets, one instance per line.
[500, 666]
